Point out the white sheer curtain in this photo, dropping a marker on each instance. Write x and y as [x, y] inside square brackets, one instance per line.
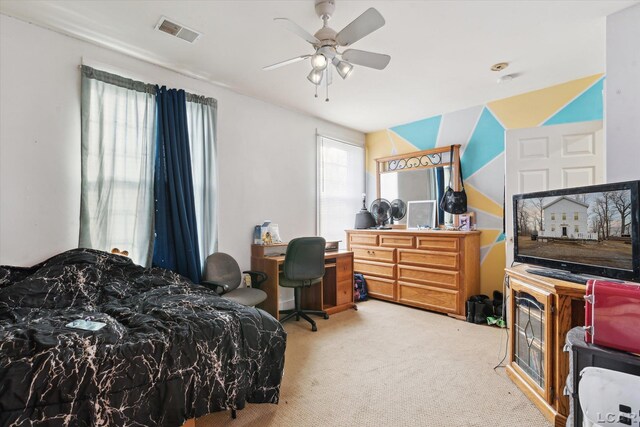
[340, 186]
[201, 119]
[118, 153]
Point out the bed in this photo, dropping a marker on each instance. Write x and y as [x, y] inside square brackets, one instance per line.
[170, 350]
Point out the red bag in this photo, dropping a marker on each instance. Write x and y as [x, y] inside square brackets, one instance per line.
[612, 314]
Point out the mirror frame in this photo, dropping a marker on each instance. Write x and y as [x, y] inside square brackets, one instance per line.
[425, 159]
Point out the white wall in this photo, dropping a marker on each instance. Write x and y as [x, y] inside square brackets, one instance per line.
[622, 100]
[266, 154]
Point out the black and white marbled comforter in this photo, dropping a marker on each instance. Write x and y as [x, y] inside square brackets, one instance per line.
[170, 351]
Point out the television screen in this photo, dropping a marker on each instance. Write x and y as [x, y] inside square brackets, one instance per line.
[588, 229]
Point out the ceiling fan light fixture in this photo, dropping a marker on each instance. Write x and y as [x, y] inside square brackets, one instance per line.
[315, 76]
[344, 68]
[326, 42]
[318, 62]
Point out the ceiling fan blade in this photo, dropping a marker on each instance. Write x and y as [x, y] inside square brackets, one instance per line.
[366, 59]
[360, 27]
[297, 29]
[287, 62]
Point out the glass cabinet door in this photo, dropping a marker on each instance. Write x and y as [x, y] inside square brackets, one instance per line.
[531, 328]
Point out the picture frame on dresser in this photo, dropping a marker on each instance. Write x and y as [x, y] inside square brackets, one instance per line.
[421, 214]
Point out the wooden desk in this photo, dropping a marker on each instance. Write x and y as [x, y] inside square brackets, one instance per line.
[333, 294]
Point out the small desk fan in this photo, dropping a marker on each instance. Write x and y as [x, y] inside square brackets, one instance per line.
[398, 210]
[381, 211]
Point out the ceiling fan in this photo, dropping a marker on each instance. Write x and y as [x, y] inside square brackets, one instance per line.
[326, 42]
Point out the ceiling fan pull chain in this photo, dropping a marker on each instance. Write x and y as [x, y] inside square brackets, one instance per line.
[316, 86]
[327, 83]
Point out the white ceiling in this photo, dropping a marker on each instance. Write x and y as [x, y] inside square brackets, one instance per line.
[440, 51]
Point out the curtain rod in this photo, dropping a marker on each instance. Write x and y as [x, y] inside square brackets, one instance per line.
[128, 83]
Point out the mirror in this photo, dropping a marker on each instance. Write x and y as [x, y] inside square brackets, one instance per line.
[413, 185]
[417, 176]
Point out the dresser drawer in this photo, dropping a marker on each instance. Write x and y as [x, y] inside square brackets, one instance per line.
[425, 296]
[438, 243]
[381, 288]
[363, 239]
[396, 241]
[375, 268]
[428, 258]
[374, 253]
[428, 276]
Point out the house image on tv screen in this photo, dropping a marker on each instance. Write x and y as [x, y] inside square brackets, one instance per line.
[566, 217]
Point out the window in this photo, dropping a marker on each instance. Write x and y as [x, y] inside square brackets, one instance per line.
[576, 229]
[118, 140]
[564, 216]
[119, 127]
[340, 187]
[576, 216]
[553, 217]
[553, 228]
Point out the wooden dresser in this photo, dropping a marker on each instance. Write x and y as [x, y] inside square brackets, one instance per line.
[437, 269]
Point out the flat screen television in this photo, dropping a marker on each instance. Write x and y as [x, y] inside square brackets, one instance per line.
[591, 230]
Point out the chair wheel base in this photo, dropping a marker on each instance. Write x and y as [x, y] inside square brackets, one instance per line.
[314, 328]
[326, 317]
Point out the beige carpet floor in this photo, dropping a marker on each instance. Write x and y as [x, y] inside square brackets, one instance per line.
[390, 365]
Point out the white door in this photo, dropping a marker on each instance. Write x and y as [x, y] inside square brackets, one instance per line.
[550, 157]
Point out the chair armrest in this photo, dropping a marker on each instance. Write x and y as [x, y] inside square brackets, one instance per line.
[257, 277]
[219, 288]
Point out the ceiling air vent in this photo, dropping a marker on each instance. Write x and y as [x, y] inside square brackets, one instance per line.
[175, 29]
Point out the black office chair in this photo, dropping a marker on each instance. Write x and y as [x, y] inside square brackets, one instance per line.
[222, 274]
[303, 267]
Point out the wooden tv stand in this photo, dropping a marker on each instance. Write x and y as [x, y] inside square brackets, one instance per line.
[542, 310]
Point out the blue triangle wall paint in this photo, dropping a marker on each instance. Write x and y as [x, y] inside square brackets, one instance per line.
[584, 108]
[423, 133]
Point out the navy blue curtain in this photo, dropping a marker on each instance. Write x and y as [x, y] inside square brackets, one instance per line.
[176, 234]
[440, 189]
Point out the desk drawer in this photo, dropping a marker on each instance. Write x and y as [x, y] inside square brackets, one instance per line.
[425, 296]
[363, 239]
[396, 241]
[428, 276]
[374, 253]
[428, 258]
[344, 291]
[344, 270]
[375, 268]
[438, 243]
[381, 288]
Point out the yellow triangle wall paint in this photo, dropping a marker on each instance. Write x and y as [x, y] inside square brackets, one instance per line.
[477, 200]
[384, 143]
[488, 236]
[533, 108]
[492, 269]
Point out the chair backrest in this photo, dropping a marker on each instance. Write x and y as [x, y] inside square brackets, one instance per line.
[222, 268]
[304, 259]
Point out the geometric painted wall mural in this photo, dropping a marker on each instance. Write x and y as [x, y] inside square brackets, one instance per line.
[481, 132]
